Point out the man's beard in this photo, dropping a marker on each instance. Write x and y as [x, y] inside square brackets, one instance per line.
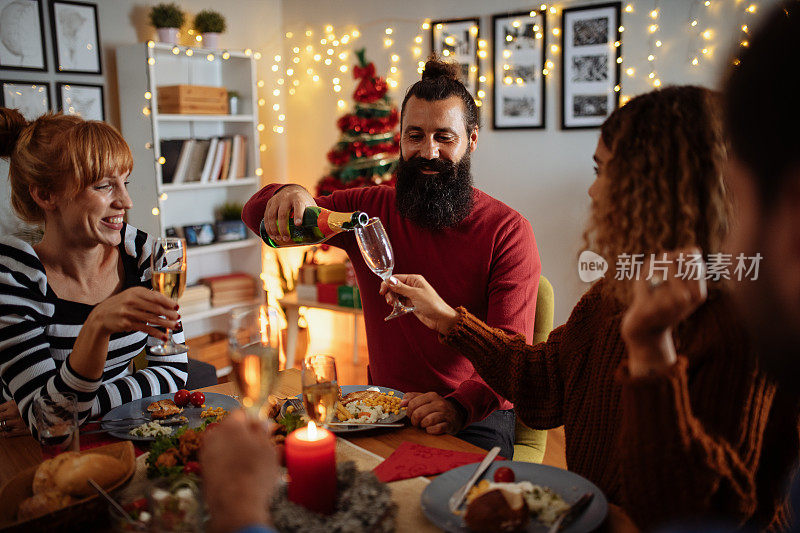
[434, 201]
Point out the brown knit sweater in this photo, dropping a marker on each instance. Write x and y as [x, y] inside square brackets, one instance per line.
[673, 446]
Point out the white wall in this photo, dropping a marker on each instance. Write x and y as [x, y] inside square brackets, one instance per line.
[254, 24]
[544, 174]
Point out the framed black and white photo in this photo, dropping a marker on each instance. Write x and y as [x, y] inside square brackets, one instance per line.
[457, 41]
[76, 37]
[589, 67]
[22, 35]
[31, 98]
[83, 100]
[518, 61]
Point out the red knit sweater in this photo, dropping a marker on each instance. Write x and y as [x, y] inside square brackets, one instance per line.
[487, 263]
[672, 446]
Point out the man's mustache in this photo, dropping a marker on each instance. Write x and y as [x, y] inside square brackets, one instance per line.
[437, 165]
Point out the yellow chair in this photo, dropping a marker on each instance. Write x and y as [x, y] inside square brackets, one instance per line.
[529, 444]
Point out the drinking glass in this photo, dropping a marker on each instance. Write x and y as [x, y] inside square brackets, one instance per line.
[377, 251]
[255, 353]
[320, 388]
[56, 418]
[168, 268]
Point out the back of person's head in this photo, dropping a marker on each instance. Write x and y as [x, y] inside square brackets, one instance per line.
[440, 81]
[58, 154]
[761, 108]
[664, 186]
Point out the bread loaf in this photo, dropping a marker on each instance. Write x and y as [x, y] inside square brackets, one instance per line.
[73, 475]
[43, 503]
[43, 479]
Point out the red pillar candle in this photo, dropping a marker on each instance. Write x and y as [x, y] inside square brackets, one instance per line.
[311, 464]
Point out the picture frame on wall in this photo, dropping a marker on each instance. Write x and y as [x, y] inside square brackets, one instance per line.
[84, 100]
[31, 98]
[590, 72]
[22, 35]
[456, 40]
[518, 99]
[76, 37]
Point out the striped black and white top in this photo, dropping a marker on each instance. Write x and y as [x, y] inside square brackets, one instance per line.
[38, 331]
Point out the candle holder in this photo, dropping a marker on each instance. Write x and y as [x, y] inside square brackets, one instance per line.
[363, 503]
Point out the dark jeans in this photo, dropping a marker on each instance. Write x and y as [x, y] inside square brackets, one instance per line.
[497, 429]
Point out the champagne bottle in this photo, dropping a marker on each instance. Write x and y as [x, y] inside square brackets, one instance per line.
[319, 225]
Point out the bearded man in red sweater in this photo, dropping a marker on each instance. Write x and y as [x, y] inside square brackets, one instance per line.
[477, 251]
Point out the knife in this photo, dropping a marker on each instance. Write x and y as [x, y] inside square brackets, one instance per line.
[572, 513]
[372, 425]
[458, 497]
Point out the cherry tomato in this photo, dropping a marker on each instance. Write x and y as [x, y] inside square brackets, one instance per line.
[504, 475]
[212, 425]
[192, 467]
[197, 398]
[182, 397]
[136, 505]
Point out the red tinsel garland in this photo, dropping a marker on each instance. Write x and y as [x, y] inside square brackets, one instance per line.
[359, 149]
[370, 88]
[369, 125]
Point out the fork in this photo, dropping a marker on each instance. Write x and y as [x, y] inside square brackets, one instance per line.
[574, 511]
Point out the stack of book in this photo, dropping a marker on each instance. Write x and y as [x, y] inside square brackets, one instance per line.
[231, 288]
[195, 298]
[204, 160]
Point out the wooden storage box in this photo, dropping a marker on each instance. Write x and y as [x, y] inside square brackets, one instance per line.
[211, 348]
[192, 100]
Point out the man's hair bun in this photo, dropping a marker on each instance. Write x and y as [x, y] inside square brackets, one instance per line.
[436, 68]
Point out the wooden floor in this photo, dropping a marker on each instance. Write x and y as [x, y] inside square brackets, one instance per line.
[356, 374]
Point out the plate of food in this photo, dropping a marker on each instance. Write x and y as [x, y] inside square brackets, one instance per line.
[146, 419]
[360, 407]
[523, 496]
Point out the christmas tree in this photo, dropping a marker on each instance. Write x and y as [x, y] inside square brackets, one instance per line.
[368, 147]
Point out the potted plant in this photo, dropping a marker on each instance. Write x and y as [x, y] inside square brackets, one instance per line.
[210, 24]
[167, 19]
[229, 224]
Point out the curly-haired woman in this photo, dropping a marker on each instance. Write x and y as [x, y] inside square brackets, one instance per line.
[663, 439]
[76, 307]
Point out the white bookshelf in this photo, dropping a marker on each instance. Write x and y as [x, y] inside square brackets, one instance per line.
[141, 69]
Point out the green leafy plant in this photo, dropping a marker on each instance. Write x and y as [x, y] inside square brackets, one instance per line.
[167, 16]
[233, 94]
[230, 211]
[208, 21]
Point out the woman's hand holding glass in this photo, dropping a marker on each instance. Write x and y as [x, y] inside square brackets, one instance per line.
[135, 309]
[428, 306]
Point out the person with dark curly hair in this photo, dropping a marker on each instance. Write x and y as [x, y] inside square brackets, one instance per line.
[675, 438]
[481, 253]
[76, 307]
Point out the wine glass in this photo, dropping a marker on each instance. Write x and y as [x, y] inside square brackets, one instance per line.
[255, 353]
[168, 269]
[377, 251]
[320, 388]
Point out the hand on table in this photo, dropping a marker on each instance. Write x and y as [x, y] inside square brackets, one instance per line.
[11, 423]
[429, 307]
[135, 309]
[655, 310]
[239, 473]
[431, 412]
[292, 198]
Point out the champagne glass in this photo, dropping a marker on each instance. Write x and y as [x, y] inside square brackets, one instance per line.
[320, 388]
[168, 269]
[254, 342]
[377, 251]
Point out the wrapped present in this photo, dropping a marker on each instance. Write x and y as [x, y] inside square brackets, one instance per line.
[328, 293]
[349, 296]
[332, 274]
[306, 292]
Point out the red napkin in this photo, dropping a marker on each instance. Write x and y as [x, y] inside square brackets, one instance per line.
[101, 439]
[412, 460]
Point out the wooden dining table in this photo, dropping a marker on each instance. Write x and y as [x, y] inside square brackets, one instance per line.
[19, 453]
